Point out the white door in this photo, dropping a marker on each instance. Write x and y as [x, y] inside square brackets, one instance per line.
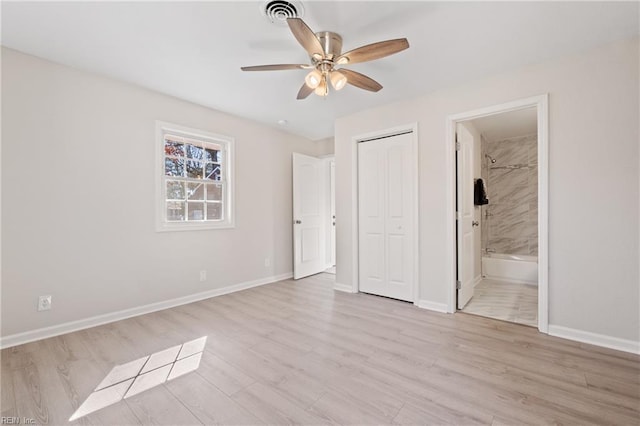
[465, 241]
[309, 216]
[332, 201]
[387, 181]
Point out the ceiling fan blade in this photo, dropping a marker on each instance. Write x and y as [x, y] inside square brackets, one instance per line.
[305, 36]
[374, 51]
[304, 91]
[361, 80]
[277, 67]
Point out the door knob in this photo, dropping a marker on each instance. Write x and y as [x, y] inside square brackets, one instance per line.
[475, 223]
[297, 222]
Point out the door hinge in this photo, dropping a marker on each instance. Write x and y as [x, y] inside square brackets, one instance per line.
[458, 285]
[457, 146]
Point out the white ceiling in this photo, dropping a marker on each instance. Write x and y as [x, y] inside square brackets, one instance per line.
[507, 125]
[194, 50]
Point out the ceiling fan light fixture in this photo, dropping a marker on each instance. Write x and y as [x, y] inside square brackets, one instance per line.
[338, 80]
[313, 79]
[325, 53]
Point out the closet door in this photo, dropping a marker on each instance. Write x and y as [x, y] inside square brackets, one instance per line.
[386, 206]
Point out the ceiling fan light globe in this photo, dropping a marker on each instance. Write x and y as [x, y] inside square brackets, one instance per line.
[322, 89]
[338, 80]
[313, 79]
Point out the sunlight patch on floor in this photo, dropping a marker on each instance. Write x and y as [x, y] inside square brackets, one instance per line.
[132, 378]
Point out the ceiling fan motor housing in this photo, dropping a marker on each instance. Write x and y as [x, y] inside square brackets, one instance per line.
[331, 43]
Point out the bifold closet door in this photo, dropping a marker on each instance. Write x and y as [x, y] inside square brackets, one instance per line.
[386, 206]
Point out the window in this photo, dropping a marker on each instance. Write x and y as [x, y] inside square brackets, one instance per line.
[195, 184]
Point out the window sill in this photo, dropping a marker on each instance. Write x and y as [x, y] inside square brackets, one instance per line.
[193, 226]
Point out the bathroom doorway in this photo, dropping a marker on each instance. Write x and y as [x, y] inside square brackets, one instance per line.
[498, 216]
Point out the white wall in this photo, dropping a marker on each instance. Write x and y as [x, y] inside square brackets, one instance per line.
[78, 198]
[594, 114]
[325, 146]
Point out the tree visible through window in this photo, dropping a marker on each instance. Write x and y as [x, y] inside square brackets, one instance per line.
[195, 183]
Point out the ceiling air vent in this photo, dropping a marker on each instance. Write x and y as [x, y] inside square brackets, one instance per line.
[277, 11]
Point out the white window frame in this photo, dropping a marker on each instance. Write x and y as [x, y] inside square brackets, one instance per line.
[228, 199]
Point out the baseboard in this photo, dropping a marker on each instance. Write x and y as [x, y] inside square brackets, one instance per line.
[343, 287]
[595, 339]
[433, 306]
[477, 280]
[68, 327]
[505, 280]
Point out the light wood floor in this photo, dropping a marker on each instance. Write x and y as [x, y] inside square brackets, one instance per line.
[298, 352]
[505, 301]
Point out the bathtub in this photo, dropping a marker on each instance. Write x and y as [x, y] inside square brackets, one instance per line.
[510, 267]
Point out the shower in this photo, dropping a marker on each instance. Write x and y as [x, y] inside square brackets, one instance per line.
[488, 157]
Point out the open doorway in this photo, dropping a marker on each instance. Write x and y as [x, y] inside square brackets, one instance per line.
[500, 192]
[505, 216]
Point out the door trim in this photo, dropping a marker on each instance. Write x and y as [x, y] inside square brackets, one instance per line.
[406, 128]
[541, 102]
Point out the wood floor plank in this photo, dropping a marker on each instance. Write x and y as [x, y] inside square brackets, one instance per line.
[431, 413]
[223, 375]
[273, 408]
[420, 391]
[297, 352]
[209, 404]
[39, 388]
[31, 397]
[573, 400]
[7, 396]
[79, 379]
[334, 379]
[157, 406]
[615, 386]
[342, 409]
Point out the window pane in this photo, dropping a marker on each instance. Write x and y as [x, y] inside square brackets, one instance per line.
[173, 167]
[195, 152]
[195, 191]
[212, 171]
[175, 190]
[173, 148]
[175, 210]
[194, 169]
[196, 211]
[214, 192]
[213, 154]
[214, 211]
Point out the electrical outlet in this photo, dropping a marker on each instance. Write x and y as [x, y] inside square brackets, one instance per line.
[267, 262]
[44, 303]
[203, 275]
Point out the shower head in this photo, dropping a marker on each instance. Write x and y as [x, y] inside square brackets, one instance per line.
[488, 157]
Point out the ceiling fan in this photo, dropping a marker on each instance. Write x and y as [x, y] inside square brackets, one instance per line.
[325, 51]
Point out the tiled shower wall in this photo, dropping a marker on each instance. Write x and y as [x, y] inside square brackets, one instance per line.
[512, 188]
